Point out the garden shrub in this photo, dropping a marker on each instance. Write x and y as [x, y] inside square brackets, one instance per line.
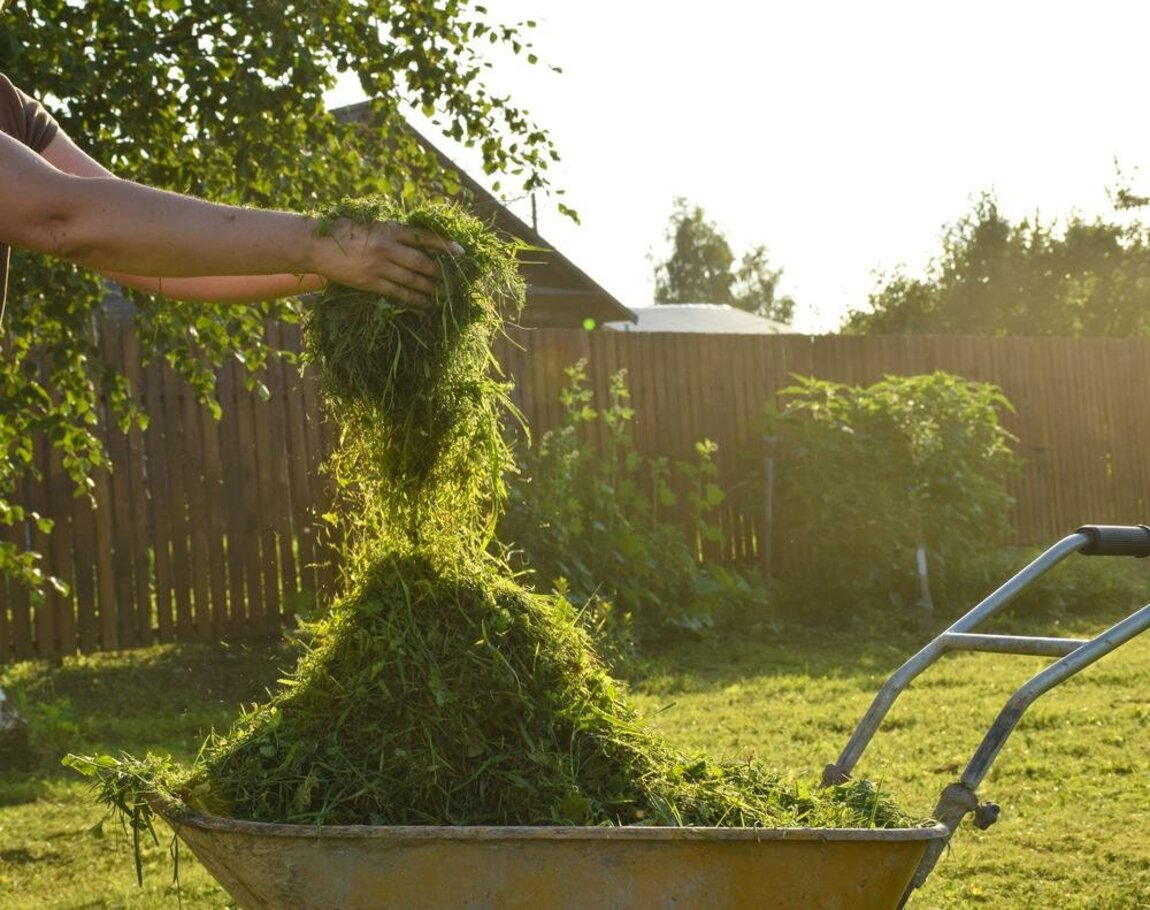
[1097, 589]
[865, 476]
[594, 523]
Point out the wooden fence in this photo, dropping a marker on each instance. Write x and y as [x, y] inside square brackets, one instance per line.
[208, 530]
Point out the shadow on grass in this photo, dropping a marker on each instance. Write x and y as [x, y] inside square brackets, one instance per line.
[720, 660]
[17, 789]
[164, 699]
[860, 650]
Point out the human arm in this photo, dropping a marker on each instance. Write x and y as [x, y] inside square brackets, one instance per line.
[152, 238]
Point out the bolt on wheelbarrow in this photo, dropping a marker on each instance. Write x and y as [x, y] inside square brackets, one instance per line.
[960, 798]
[362, 867]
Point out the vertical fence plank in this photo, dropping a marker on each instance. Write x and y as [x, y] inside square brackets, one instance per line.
[8, 605]
[107, 587]
[281, 518]
[119, 535]
[84, 579]
[215, 503]
[172, 415]
[197, 492]
[298, 465]
[6, 647]
[513, 362]
[137, 535]
[717, 410]
[17, 601]
[55, 625]
[268, 462]
[232, 497]
[59, 494]
[281, 451]
[323, 553]
[248, 460]
[160, 500]
[1133, 440]
[43, 613]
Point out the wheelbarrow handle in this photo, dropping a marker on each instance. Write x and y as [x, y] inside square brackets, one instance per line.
[1090, 540]
[960, 798]
[1116, 540]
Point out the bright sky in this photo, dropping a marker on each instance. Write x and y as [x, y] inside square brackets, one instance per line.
[842, 135]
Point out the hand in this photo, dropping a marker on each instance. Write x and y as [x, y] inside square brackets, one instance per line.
[385, 258]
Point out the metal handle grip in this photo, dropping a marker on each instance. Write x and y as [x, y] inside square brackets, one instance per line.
[1116, 540]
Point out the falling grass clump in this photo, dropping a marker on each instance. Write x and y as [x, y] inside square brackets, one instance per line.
[415, 391]
[439, 689]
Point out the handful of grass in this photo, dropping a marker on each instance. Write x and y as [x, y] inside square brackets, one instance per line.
[415, 392]
[439, 690]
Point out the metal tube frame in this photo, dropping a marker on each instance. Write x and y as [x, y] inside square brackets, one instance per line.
[1073, 655]
[955, 638]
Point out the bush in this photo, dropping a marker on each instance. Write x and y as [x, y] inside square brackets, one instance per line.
[867, 476]
[592, 523]
[1096, 589]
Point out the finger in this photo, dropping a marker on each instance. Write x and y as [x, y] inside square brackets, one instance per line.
[398, 292]
[400, 275]
[412, 261]
[421, 237]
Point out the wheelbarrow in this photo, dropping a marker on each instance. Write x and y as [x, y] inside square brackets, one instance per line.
[286, 867]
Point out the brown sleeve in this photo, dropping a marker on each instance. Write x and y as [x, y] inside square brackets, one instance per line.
[24, 118]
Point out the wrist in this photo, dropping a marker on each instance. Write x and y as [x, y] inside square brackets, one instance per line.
[320, 250]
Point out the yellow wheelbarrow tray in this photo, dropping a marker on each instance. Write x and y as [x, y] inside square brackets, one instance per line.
[364, 867]
[361, 867]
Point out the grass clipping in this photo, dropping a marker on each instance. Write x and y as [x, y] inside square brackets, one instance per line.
[439, 690]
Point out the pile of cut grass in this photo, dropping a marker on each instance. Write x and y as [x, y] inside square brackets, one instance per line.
[451, 695]
[439, 690]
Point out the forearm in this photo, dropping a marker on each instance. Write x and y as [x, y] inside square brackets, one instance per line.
[223, 288]
[191, 246]
[66, 156]
[114, 225]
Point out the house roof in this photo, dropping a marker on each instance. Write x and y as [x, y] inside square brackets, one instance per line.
[717, 318]
[559, 293]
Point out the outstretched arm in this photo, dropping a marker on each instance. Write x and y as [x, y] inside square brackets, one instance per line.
[153, 239]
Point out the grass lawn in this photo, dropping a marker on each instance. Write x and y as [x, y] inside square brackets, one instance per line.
[1072, 782]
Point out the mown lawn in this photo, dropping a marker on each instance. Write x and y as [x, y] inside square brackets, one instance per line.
[1073, 782]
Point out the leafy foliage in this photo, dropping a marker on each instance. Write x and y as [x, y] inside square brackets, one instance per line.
[701, 269]
[596, 522]
[998, 278]
[225, 101]
[867, 475]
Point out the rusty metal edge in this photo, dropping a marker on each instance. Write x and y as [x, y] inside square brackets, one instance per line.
[497, 833]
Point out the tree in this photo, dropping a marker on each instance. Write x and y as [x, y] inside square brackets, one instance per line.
[701, 269]
[998, 278]
[224, 100]
[755, 288]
